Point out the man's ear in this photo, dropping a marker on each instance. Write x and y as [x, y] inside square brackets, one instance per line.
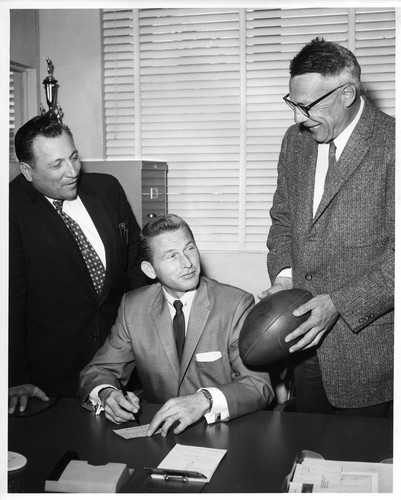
[26, 171]
[147, 268]
[350, 94]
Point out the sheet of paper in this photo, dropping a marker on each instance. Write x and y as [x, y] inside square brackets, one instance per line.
[320, 479]
[317, 476]
[193, 458]
[134, 432]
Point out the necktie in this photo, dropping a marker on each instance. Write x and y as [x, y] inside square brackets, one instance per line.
[92, 260]
[332, 163]
[179, 327]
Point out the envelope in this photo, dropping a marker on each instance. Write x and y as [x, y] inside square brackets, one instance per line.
[208, 356]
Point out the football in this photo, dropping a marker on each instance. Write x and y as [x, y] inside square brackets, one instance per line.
[261, 340]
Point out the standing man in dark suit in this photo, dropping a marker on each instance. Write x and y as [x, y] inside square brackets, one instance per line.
[195, 369]
[334, 235]
[61, 303]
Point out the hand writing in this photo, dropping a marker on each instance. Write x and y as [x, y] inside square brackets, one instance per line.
[118, 408]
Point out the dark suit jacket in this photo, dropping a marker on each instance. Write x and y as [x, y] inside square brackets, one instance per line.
[57, 321]
[346, 250]
[143, 336]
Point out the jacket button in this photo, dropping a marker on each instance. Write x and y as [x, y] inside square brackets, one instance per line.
[361, 320]
[308, 277]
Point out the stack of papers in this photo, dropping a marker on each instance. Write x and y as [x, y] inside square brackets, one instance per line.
[315, 475]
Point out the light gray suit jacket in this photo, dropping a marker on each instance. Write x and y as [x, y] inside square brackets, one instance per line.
[346, 250]
[143, 336]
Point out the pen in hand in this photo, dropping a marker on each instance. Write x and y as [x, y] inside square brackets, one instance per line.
[125, 394]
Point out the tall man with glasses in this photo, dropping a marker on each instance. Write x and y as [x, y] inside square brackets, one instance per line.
[333, 234]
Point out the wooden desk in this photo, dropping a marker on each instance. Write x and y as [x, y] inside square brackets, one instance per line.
[261, 447]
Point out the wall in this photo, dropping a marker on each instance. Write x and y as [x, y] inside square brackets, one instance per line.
[24, 37]
[71, 38]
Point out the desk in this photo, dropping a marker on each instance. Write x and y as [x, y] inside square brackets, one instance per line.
[261, 447]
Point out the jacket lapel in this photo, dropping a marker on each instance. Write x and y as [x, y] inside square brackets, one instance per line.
[63, 237]
[354, 152]
[161, 318]
[305, 183]
[200, 311]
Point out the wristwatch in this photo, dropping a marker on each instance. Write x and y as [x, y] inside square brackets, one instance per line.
[209, 398]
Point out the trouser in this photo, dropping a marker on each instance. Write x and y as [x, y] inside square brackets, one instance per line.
[310, 396]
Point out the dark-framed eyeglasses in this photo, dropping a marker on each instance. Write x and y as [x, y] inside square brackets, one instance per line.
[305, 109]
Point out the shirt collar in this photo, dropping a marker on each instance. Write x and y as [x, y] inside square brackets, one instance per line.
[186, 299]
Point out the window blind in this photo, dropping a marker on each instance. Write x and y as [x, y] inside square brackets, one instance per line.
[11, 150]
[118, 84]
[208, 101]
[375, 51]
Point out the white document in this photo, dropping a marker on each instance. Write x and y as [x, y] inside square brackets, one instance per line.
[134, 432]
[193, 458]
[330, 476]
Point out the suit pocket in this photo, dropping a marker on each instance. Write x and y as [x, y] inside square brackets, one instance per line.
[214, 372]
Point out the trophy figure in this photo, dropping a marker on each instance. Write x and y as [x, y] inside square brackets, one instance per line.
[51, 86]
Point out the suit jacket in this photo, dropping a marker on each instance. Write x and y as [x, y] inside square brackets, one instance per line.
[346, 250]
[56, 319]
[143, 336]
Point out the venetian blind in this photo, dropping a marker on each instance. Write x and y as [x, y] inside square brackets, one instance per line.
[11, 118]
[208, 101]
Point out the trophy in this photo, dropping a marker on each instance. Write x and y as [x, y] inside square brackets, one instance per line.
[51, 86]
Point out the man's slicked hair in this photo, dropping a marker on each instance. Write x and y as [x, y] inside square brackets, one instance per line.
[327, 59]
[158, 225]
[45, 125]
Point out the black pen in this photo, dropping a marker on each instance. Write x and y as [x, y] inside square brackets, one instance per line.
[122, 389]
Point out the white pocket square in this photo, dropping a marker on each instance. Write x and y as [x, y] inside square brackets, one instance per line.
[208, 356]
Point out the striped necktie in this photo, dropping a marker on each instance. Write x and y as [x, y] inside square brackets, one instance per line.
[92, 260]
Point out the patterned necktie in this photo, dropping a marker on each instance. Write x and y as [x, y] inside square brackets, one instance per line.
[92, 260]
[332, 163]
[179, 327]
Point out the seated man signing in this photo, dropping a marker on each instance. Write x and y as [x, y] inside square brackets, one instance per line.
[208, 378]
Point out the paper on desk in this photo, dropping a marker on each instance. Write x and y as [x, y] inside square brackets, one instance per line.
[330, 476]
[193, 458]
[134, 432]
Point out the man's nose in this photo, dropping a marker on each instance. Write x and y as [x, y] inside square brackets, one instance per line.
[299, 117]
[185, 261]
[72, 168]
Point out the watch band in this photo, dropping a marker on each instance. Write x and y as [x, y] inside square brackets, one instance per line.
[209, 398]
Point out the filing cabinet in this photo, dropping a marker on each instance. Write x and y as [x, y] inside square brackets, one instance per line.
[154, 189]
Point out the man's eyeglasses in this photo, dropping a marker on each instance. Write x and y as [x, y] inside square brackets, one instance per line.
[305, 109]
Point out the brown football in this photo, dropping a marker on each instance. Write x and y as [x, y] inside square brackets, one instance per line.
[261, 340]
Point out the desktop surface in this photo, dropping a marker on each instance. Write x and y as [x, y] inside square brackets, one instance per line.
[261, 447]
